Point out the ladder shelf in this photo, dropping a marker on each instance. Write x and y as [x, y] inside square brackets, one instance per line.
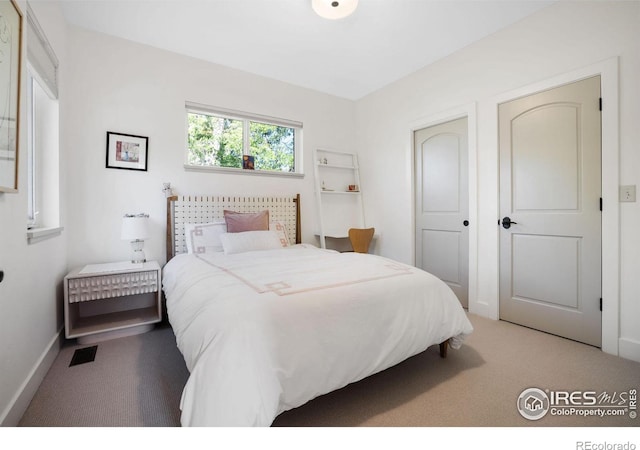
[338, 193]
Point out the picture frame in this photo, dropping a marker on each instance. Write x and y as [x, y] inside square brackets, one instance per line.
[10, 70]
[127, 151]
[248, 162]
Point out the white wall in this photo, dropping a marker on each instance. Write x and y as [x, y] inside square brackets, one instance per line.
[31, 293]
[135, 89]
[562, 38]
[108, 84]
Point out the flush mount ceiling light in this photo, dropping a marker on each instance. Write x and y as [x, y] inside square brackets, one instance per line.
[334, 9]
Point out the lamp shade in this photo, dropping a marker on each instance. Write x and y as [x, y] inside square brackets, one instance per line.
[334, 9]
[135, 227]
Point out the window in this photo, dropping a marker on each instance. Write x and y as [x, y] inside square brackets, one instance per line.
[42, 159]
[43, 162]
[219, 139]
[215, 141]
[272, 146]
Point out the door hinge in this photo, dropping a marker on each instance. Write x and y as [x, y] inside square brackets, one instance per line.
[600, 304]
[600, 103]
[600, 203]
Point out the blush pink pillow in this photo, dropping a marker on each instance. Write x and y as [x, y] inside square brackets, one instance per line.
[239, 222]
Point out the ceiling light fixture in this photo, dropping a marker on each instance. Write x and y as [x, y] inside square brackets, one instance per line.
[334, 9]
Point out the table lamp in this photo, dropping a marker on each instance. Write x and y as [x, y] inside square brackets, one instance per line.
[135, 228]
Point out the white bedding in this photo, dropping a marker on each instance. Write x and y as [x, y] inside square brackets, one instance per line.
[266, 331]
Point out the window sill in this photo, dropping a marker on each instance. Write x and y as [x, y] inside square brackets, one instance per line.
[233, 170]
[40, 234]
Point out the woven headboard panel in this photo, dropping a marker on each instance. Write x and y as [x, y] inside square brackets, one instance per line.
[206, 208]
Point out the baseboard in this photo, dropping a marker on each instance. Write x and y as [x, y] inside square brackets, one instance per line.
[629, 349]
[20, 402]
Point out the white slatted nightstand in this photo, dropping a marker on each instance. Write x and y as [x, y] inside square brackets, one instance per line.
[105, 301]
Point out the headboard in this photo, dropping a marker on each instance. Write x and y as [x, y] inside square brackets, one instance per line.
[207, 208]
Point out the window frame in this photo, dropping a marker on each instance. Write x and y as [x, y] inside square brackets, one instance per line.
[43, 210]
[246, 118]
[41, 226]
[32, 205]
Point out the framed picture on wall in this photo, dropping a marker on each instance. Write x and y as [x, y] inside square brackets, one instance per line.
[127, 151]
[10, 51]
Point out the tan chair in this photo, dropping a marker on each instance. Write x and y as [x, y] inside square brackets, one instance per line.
[361, 238]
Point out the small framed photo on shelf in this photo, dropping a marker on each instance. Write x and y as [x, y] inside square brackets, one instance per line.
[247, 162]
[127, 151]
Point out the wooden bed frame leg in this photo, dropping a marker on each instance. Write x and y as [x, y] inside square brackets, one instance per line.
[443, 348]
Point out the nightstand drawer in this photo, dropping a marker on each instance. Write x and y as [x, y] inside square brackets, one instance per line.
[108, 286]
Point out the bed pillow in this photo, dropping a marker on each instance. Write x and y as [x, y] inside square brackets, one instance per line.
[239, 222]
[248, 241]
[204, 237]
[279, 228]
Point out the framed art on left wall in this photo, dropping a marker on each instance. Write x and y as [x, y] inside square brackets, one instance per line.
[10, 49]
[127, 151]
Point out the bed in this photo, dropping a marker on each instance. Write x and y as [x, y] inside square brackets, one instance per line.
[266, 328]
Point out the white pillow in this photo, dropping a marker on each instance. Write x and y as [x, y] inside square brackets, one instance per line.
[280, 228]
[247, 241]
[204, 237]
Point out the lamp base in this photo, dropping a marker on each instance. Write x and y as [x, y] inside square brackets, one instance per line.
[137, 254]
[138, 259]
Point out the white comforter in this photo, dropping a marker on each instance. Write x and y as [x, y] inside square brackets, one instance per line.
[264, 332]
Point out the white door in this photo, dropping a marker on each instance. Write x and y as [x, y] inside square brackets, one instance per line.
[442, 204]
[550, 218]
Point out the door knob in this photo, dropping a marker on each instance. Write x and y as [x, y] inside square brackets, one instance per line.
[465, 223]
[507, 222]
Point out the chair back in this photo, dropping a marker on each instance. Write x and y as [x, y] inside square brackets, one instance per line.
[361, 238]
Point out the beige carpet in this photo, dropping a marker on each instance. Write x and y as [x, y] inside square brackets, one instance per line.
[134, 381]
[137, 381]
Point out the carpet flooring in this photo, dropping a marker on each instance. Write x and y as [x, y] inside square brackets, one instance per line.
[136, 381]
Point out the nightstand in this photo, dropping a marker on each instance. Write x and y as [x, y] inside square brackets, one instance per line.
[105, 301]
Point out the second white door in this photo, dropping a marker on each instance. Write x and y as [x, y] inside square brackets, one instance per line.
[442, 204]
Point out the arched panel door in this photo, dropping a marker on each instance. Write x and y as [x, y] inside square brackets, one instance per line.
[550, 218]
[442, 204]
